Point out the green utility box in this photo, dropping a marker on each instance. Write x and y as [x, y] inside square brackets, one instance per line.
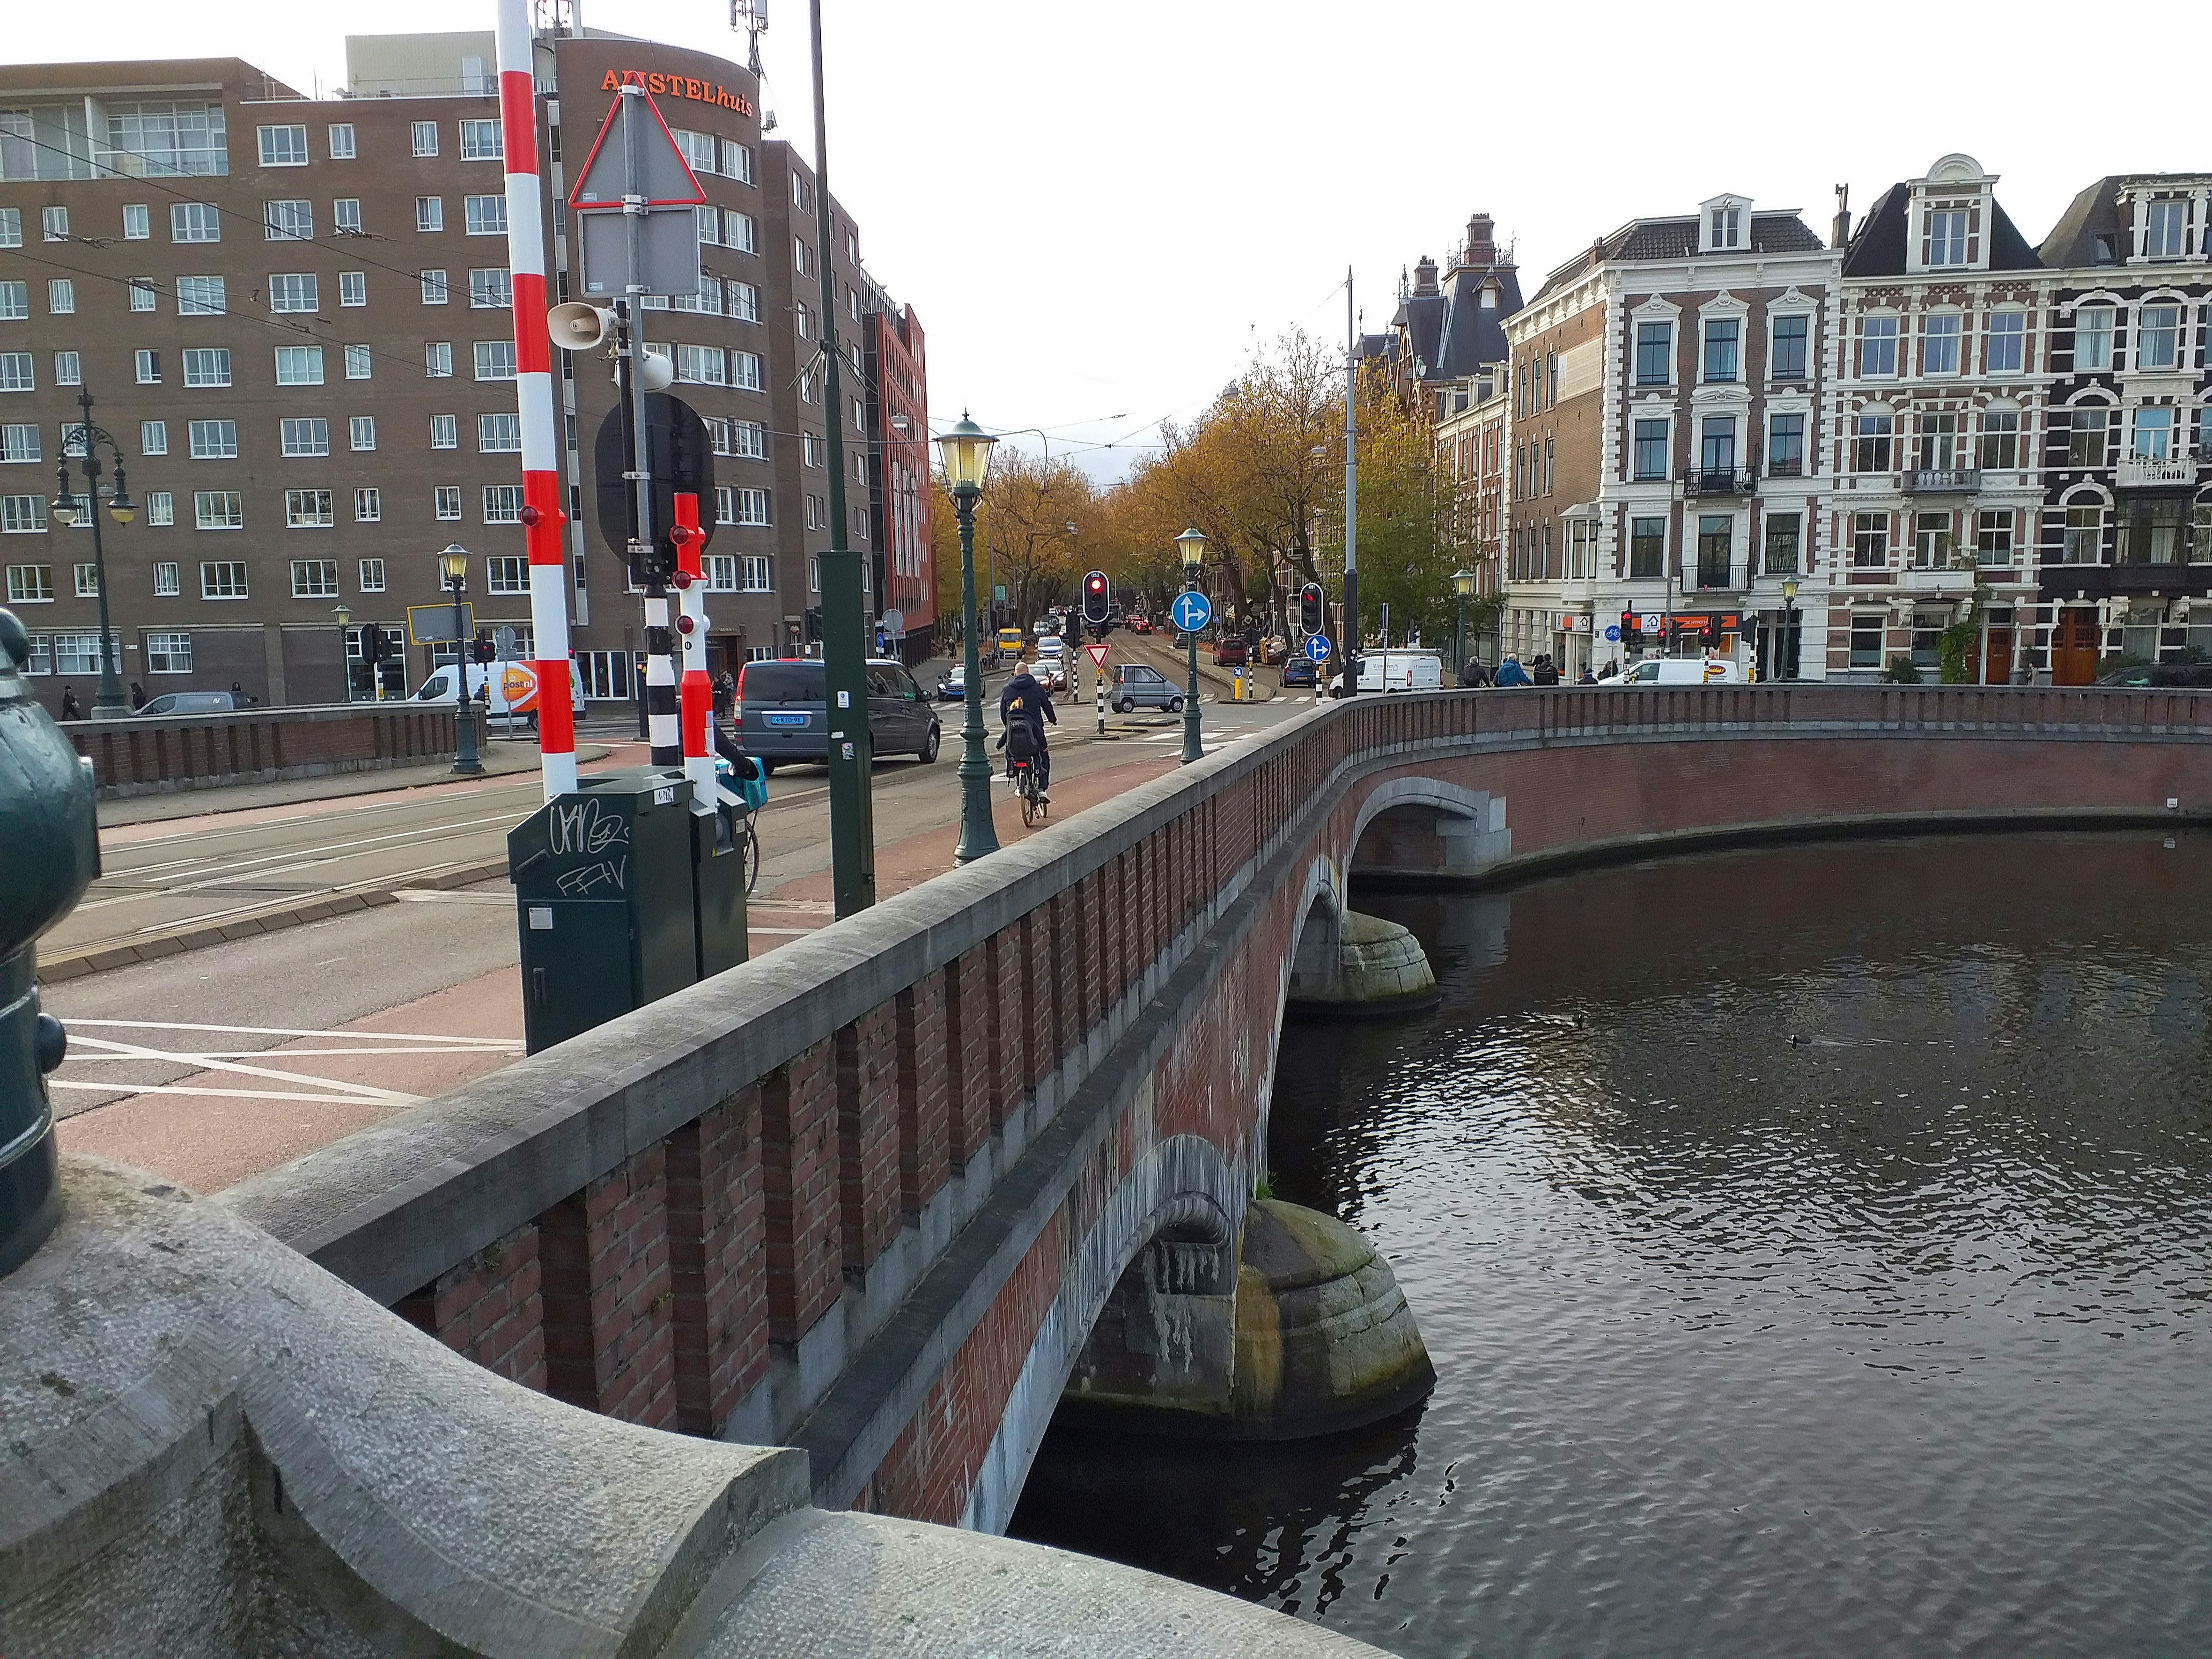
[621, 897]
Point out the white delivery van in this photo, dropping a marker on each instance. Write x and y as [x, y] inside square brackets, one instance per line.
[1681, 671]
[509, 691]
[1396, 671]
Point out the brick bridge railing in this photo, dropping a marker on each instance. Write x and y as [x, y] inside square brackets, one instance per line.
[147, 755]
[867, 1193]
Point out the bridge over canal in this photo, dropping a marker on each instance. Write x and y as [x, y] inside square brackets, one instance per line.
[867, 1195]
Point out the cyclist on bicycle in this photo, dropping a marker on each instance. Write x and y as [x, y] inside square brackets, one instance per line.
[1025, 700]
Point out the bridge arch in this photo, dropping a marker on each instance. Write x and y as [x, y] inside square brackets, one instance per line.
[1424, 825]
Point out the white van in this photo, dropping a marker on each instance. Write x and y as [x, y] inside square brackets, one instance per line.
[509, 691]
[1396, 671]
[1681, 671]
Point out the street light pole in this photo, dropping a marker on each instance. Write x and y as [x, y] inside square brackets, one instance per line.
[1192, 542]
[1785, 665]
[453, 565]
[967, 452]
[344, 614]
[110, 702]
[1462, 585]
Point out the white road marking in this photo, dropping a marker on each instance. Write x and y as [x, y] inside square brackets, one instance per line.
[155, 1057]
[388, 1099]
[286, 1030]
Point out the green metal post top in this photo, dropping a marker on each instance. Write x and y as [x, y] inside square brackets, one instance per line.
[51, 840]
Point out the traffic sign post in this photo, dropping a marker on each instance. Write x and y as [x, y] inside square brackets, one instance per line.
[1317, 649]
[1191, 610]
[1097, 654]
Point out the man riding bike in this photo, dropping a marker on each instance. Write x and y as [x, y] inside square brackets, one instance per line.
[1025, 700]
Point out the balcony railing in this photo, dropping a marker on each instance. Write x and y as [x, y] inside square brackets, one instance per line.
[2138, 471]
[1717, 576]
[1696, 481]
[1946, 481]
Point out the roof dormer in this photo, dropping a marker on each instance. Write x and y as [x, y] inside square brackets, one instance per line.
[1724, 225]
[2166, 218]
[1951, 212]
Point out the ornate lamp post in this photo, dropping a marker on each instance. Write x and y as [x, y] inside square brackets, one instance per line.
[967, 453]
[1463, 586]
[1785, 667]
[344, 614]
[453, 567]
[110, 702]
[1192, 544]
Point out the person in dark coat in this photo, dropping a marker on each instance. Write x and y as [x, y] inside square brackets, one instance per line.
[137, 696]
[70, 711]
[1023, 698]
[1546, 672]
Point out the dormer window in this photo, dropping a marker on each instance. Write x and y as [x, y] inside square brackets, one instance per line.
[1725, 227]
[1951, 235]
[2166, 230]
[1490, 296]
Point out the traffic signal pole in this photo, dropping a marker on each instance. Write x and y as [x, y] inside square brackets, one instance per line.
[844, 620]
[1351, 494]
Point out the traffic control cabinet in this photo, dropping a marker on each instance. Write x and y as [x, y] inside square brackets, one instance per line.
[623, 895]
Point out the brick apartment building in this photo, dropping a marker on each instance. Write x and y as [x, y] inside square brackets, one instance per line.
[899, 469]
[294, 316]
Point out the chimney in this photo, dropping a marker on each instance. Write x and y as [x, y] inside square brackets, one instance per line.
[1424, 276]
[1843, 231]
[1481, 242]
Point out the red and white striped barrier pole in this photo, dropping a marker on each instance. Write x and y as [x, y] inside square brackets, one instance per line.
[695, 692]
[542, 516]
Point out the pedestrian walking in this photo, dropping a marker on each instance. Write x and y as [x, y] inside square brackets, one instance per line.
[1510, 672]
[70, 711]
[1545, 671]
[137, 696]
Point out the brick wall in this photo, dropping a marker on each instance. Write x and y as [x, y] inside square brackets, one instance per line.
[140, 756]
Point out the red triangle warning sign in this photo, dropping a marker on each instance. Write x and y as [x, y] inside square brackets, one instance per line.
[665, 178]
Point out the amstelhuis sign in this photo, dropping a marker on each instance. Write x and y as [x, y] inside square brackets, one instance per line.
[679, 86]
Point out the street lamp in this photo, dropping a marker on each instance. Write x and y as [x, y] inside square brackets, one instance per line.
[453, 567]
[344, 614]
[966, 453]
[1192, 545]
[1463, 586]
[109, 703]
[1785, 665]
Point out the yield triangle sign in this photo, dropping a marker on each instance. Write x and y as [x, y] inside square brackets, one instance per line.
[1097, 655]
[665, 178]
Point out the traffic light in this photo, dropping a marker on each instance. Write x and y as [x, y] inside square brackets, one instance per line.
[1311, 618]
[1098, 598]
[813, 624]
[1628, 641]
[374, 647]
[1712, 633]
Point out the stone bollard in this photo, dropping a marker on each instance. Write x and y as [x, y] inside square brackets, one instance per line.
[52, 842]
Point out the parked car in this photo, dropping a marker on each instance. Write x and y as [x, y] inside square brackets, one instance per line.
[2153, 675]
[1230, 651]
[1136, 623]
[782, 714]
[1301, 669]
[1680, 671]
[1135, 686]
[195, 702]
[508, 690]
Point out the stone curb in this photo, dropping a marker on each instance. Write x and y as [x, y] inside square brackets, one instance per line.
[155, 946]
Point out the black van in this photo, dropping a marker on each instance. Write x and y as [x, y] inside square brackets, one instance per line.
[782, 714]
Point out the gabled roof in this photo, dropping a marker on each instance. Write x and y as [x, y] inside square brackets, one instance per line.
[2096, 229]
[1473, 336]
[1877, 248]
[1677, 239]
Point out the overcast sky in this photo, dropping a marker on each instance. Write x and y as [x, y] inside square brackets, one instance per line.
[1099, 211]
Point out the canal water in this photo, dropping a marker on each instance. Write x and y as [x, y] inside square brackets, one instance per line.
[1815, 1246]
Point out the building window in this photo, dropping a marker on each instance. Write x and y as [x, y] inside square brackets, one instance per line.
[2166, 230]
[23, 516]
[1782, 543]
[429, 213]
[802, 258]
[697, 149]
[1716, 448]
[499, 434]
[143, 296]
[16, 373]
[345, 216]
[2088, 438]
[1871, 452]
[1866, 639]
[314, 579]
[294, 293]
[444, 432]
[507, 572]
[14, 302]
[737, 161]
[2154, 435]
[194, 222]
[61, 296]
[485, 216]
[20, 442]
[2157, 337]
[1993, 538]
[748, 438]
[169, 654]
[160, 507]
[1878, 347]
[207, 366]
[1939, 344]
[495, 360]
[214, 441]
[201, 296]
[742, 301]
[308, 435]
[1650, 449]
[1869, 541]
[309, 509]
[426, 137]
[1723, 335]
[342, 141]
[27, 584]
[435, 291]
[147, 366]
[53, 223]
[220, 509]
[502, 503]
[738, 232]
[1791, 340]
[2092, 338]
[1647, 548]
[79, 653]
[491, 288]
[372, 572]
[1944, 243]
[1724, 228]
[448, 498]
[283, 147]
[353, 288]
[166, 583]
[745, 370]
[700, 365]
[710, 224]
[1931, 541]
[720, 570]
[137, 222]
[11, 226]
[751, 507]
[298, 365]
[357, 363]
[1786, 447]
[2005, 350]
[438, 359]
[88, 580]
[2000, 451]
[480, 141]
[287, 221]
[753, 574]
[1938, 441]
[67, 369]
[223, 578]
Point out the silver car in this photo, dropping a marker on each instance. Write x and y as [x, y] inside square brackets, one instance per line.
[1136, 686]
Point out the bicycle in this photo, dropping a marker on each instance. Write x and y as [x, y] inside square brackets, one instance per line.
[742, 794]
[1021, 778]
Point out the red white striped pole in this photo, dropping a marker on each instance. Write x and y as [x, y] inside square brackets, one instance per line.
[542, 516]
[695, 692]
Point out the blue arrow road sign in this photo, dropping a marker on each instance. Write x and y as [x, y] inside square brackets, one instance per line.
[1191, 610]
[1318, 647]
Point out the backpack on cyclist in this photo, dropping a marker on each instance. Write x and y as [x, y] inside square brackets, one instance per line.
[1021, 736]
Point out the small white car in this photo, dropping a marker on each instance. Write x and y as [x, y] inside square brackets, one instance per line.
[513, 688]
